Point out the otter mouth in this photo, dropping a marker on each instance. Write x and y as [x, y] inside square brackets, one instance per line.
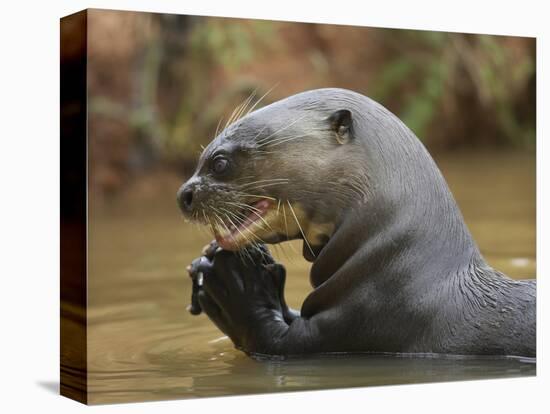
[240, 234]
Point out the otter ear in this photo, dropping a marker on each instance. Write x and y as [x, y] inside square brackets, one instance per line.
[340, 123]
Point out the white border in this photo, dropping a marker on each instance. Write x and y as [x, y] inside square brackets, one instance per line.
[29, 224]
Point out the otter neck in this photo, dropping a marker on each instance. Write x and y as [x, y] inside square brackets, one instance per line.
[410, 226]
[389, 246]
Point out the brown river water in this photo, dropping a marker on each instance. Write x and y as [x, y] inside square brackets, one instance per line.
[144, 345]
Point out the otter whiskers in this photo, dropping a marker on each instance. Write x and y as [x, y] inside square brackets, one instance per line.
[246, 195]
[261, 98]
[286, 228]
[269, 181]
[252, 210]
[263, 141]
[252, 240]
[218, 127]
[300, 227]
[282, 140]
[248, 240]
[239, 110]
[243, 109]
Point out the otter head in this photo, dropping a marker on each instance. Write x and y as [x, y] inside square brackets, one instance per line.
[279, 173]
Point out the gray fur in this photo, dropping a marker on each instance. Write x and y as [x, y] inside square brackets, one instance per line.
[400, 272]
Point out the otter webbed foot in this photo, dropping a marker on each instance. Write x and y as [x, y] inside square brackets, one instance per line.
[243, 295]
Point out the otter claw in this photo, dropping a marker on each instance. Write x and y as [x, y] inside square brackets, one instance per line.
[195, 308]
[210, 249]
[205, 248]
[199, 279]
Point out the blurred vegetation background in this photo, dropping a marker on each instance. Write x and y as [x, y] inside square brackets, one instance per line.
[159, 84]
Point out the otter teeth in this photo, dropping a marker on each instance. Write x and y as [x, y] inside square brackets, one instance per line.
[235, 237]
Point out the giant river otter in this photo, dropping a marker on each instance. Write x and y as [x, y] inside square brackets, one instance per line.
[395, 268]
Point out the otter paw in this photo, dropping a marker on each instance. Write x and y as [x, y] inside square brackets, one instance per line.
[241, 295]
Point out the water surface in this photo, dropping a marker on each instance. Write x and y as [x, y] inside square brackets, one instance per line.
[144, 345]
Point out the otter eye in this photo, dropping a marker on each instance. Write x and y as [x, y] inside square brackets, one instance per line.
[220, 165]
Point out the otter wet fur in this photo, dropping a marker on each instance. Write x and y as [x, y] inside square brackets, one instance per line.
[394, 267]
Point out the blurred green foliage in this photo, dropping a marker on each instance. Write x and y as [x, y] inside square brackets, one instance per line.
[431, 67]
[188, 73]
[229, 46]
[213, 46]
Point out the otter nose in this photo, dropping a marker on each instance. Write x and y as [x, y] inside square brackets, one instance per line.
[185, 199]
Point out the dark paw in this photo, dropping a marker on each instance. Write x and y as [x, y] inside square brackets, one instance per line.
[252, 256]
[240, 293]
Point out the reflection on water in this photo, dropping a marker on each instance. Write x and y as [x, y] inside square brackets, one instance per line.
[144, 345]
